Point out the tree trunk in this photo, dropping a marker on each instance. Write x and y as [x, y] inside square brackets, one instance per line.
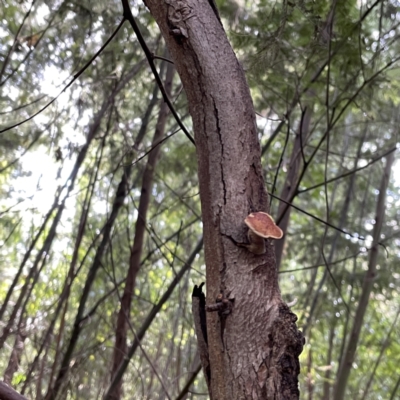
[253, 351]
[140, 230]
[291, 182]
[369, 279]
[8, 393]
[148, 321]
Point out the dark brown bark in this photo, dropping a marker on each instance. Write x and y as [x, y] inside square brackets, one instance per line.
[255, 354]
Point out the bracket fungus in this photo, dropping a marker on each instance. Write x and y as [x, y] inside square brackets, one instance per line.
[261, 226]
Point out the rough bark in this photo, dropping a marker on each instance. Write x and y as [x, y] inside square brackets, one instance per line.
[254, 353]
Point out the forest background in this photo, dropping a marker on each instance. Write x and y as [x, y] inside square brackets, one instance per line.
[99, 196]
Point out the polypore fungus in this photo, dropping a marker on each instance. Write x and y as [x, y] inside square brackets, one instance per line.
[261, 226]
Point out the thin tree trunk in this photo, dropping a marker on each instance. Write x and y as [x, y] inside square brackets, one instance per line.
[64, 296]
[149, 319]
[384, 346]
[33, 274]
[342, 222]
[396, 387]
[354, 269]
[328, 372]
[8, 393]
[28, 254]
[117, 204]
[140, 230]
[347, 361]
[77, 327]
[309, 379]
[183, 393]
[70, 185]
[15, 357]
[291, 179]
[254, 350]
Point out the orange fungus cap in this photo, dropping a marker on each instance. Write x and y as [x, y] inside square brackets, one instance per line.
[263, 225]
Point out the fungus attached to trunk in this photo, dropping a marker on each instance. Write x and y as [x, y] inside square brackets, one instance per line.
[261, 226]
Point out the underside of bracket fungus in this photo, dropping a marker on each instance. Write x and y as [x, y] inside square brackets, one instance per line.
[261, 226]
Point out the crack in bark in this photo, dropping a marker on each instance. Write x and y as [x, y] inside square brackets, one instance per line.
[222, 148]
[208, 67]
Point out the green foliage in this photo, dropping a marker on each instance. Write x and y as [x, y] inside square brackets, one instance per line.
[349, 81]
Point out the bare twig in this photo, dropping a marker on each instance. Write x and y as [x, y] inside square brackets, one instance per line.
[150, 57]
